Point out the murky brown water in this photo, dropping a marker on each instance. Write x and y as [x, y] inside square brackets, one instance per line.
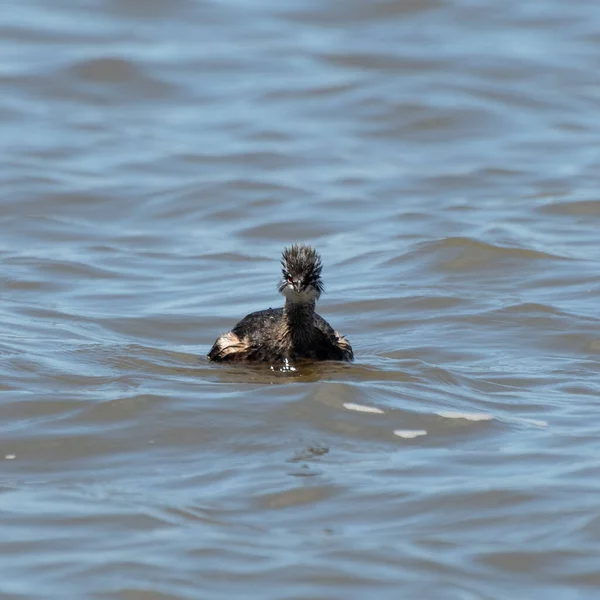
[443, 156]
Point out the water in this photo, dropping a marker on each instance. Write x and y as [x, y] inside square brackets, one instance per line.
[443, 157]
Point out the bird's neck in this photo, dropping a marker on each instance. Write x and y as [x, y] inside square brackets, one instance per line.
[298, 320]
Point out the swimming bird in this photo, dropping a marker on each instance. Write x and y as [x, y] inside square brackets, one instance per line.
[292, 332]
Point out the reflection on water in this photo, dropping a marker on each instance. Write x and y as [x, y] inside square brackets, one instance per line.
[442, 156]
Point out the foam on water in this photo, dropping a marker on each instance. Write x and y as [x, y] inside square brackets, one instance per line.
[409, 433]
[362, 408]
[447, 414]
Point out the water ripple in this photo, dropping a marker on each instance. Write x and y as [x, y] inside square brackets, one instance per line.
[442, 156]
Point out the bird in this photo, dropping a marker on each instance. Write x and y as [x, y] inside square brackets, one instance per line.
[290, 333]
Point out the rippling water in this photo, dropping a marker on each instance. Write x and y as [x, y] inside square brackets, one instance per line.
[442, 156]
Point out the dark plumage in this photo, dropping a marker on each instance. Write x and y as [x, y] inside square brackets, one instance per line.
[295, 331]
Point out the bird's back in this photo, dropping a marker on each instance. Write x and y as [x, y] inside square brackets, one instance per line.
[262, 336]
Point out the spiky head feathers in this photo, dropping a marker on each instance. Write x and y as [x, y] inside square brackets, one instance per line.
[301, 270]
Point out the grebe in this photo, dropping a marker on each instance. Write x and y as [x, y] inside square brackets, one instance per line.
[292, 332]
